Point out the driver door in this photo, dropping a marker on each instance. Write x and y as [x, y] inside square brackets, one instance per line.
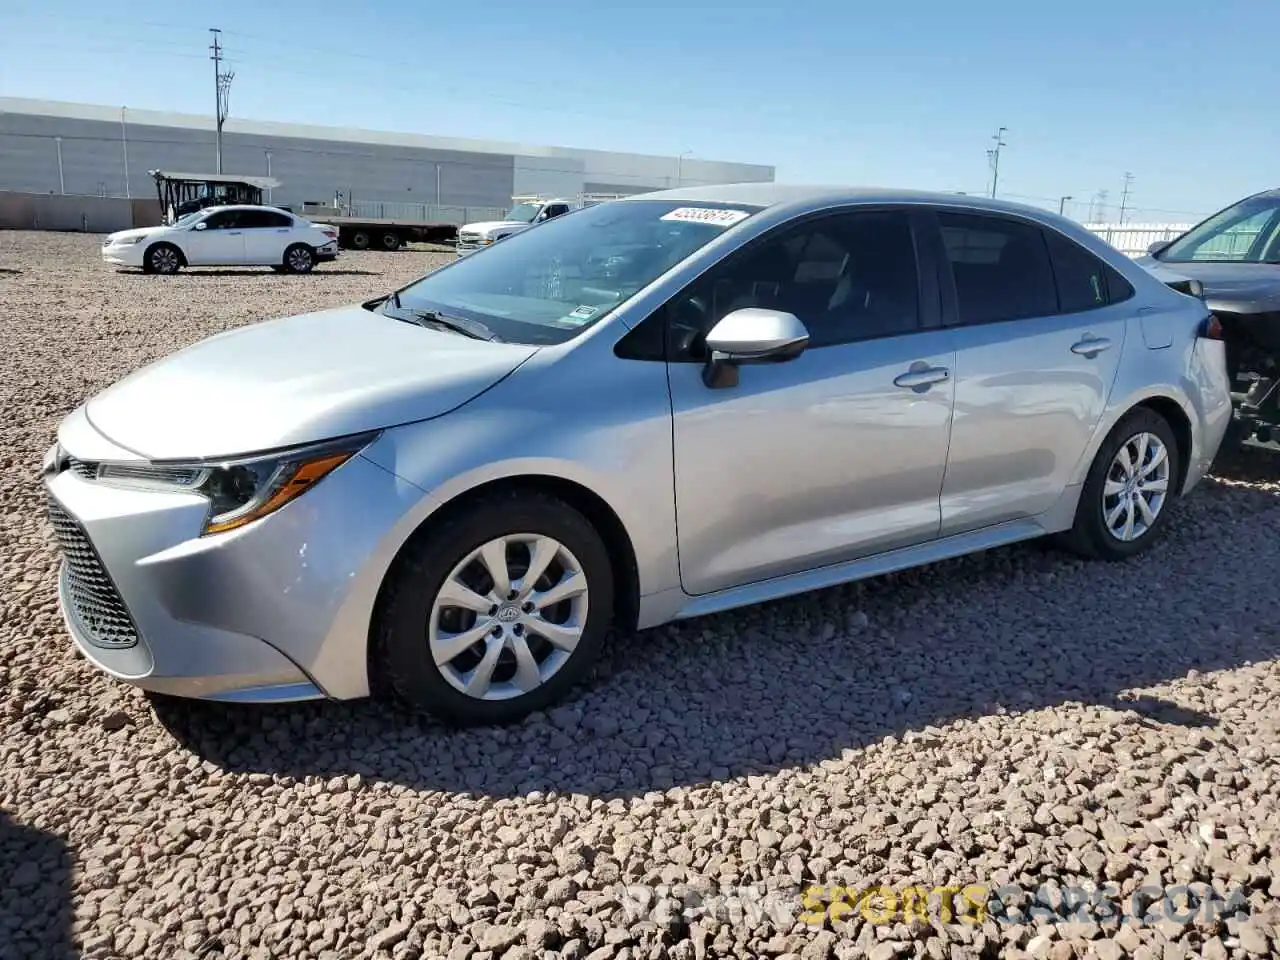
[220, 243]
[831, 456]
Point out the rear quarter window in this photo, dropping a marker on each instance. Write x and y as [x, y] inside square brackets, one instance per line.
[1085, 282]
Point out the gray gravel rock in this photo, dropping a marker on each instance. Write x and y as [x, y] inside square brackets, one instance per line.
[1017, 719]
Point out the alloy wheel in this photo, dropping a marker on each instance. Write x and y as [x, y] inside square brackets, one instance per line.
[1136, 487]
[509, 616]
[299, 260]
[164, 260]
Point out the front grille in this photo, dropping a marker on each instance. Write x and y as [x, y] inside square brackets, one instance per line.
[94, 599]
[468, 238]
[82, 468]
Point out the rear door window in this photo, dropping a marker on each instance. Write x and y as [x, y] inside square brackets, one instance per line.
[1000, 266]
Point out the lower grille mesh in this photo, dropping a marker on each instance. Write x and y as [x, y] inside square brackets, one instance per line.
[94, 599]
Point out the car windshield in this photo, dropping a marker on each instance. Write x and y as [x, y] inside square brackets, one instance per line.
[187, 219]
[547, 285]
[523, 212]
[1248, 232]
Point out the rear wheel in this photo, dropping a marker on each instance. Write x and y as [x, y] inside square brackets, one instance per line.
[299, 258]
[162, 258]
[360, 240]
[390, 241]
[1125, 502]
[498, 612]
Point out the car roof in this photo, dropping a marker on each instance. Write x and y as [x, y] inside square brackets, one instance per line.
[241, 206]
[787, 194]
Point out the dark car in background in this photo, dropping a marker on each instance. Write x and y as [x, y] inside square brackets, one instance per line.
[1235, 255]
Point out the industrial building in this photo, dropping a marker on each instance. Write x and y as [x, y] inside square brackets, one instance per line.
[82, 149]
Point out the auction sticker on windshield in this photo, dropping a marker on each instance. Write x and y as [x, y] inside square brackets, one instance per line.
[716, 218]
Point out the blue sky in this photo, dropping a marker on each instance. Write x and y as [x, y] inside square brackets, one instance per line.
[901, 93]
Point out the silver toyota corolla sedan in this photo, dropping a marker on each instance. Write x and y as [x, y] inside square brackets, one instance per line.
[657, 408]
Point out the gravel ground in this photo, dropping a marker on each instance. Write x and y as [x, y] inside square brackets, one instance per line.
[1017, 720]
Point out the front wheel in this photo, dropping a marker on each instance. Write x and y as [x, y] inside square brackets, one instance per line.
[1125, 502]
[498, 612]
[163, 258]
[299, 259]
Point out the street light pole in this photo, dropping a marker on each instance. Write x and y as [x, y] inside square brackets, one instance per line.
[680, 167]
[62, 184]
[124, 149]
[1062, 202]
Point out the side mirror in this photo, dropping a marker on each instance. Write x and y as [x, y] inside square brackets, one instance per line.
[201, 226]
[751, 335]
[1156, 247]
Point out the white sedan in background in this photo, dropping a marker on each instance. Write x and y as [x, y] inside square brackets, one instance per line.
[224, 237]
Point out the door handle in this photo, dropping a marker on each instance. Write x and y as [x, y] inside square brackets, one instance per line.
[234, 233]
[924, 377]
[1091, 346]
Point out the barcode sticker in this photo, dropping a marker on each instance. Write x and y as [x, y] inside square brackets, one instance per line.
[716, 218]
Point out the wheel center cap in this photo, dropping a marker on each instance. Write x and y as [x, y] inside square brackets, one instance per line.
[508, 614]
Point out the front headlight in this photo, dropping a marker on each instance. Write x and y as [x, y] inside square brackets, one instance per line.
[244, 489]
[122, 241]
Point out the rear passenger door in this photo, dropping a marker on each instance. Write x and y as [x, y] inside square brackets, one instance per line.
[1039, 332]
[266, 234]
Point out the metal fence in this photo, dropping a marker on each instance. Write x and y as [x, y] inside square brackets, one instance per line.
[1133, 239]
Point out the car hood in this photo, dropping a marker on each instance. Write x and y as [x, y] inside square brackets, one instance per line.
[129, 234]
[1238, 287]
[490, 225]
[295, 380]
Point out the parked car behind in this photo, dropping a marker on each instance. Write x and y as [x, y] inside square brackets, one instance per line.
[653, 409]
[1235, 255]
[226, 236]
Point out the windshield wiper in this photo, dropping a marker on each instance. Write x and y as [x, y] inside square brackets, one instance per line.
[434, 319]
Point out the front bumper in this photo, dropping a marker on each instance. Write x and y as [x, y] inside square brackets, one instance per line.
[123, 254]
[277, 610]
[466, 247]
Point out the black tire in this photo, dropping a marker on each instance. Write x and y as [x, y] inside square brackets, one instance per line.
[1090, 536]
[299, 258]
[277, 268]
[360, 240]
[162, 258]
[390, 241]
[402, 656]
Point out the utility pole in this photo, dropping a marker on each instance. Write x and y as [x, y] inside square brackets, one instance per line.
[221, 87]
[993, 156]
[1124, 198]
[1062, 203]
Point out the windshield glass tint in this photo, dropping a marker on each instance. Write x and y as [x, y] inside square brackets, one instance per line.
[1244, 233]
[188, 219]
[523, 212]
[548, 283]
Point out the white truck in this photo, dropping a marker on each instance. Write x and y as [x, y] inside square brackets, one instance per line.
[528, 211]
